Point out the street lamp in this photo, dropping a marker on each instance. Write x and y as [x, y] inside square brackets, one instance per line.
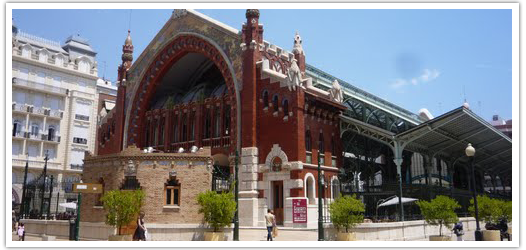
[470, 153]
[236, 193]
[320, 207]
[24, 188]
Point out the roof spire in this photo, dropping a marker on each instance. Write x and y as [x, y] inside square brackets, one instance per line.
[127, 51]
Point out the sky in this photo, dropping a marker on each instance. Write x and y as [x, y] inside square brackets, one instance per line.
[416, 59]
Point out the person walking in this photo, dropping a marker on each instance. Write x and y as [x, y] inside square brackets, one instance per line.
[140, 232]
[21, 232]
[458, 230]
[271, 221]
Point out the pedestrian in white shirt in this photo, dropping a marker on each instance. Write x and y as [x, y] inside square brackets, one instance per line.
[271, 221]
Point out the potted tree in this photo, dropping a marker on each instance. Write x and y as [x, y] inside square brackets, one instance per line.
[218, 210]
[490, 211]
[122, 207]
[506, 213]
[346, 213]
[439, 212]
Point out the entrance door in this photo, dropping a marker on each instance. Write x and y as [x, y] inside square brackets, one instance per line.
[277, 201]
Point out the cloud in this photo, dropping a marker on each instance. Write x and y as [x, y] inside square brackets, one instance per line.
[427, 76]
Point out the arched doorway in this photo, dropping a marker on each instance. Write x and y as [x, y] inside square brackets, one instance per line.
[187, 77]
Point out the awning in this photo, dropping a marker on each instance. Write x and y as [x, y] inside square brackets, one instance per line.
[395, 201]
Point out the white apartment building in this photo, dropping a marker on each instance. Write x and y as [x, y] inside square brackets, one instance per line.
[54, 107]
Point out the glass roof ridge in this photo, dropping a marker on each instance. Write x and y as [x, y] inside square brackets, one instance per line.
[406, 114]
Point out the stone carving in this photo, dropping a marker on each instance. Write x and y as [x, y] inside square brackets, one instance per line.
[336, 93]
[131, 170]
[276, 152]
[293, 76]
[178, 13]
[297, 44]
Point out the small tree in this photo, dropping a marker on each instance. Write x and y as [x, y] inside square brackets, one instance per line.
[440, 211]
[490, 210]
[346, 212]
[506, 210]
[218, 209]
[122, 206]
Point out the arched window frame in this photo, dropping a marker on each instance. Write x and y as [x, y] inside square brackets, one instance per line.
[275, 103]
[208, 123]
[217, 122]
[265, 99]
[175, 137]
[161, 131]
[184, 131]
[192, 126]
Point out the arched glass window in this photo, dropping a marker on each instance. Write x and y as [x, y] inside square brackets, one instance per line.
[147, 133]
[308, 141]
[184, 136]
[175, 130]
[192, 126]
[265, 99]
[161, 132]
[275, 103]
[208, 124]
[310, 190]
[286, 107]
[217, 123]
[226, 120]
[155, 132]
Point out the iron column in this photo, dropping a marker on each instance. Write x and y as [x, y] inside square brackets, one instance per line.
[50, 194]
[236, 187]
[320, 207]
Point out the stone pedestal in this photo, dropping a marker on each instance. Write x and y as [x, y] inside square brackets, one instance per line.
[248, 194]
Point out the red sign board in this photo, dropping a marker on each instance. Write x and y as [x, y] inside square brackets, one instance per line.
[299, 210]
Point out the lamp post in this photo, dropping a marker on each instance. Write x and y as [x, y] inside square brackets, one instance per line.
[470, 153]
[23, 207]
[44, 184]
[320, 207]
[236, 193]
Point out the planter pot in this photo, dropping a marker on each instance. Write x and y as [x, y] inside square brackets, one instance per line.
[439, 238]
[346, 237]
[509, 229]
[214, 236]
[126, 237]
[490, 235]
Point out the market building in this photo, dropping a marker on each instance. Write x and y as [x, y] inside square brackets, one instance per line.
[202, 83]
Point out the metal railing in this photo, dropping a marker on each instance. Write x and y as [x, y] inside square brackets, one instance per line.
[82, 117]
[39, 86]
[80, 140]
[76, 166]
[20, 107]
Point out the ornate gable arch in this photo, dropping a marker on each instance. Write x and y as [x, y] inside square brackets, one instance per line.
[174, 50]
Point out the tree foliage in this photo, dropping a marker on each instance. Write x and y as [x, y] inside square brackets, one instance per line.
[122, 206]
[439, 211]
[491, 210]
[346, 212]
[218, 209]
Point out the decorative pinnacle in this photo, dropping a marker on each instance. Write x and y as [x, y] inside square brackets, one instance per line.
[252, 13]
[128, 40]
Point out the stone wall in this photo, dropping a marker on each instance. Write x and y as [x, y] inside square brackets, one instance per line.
[152, 170]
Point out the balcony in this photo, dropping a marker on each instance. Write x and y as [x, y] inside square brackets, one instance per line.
[55, 139]
[20, 108]
[77, 166]
[39, 111]
[80, 140]
[35, 163]
[32, 136]
[39, 86]
[55, 114]
[19, 134]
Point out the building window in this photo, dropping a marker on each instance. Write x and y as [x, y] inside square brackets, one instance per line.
[286, 107]
[176, 129]
[310, 191]
[51, 133]
[80, 140]
[130, 183]
[161, 134]
[172, 192]
[206, 128]
[308, 143]
[217, 123]
[333, 147]
[155, 132]
[35, 129]
[192, 126]
[275, 103]
[226, 120]
[17, 127]
[184, 131]
[147, 133]
[113, 127]
[321, 146]
[265, 99]
[98, 202]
